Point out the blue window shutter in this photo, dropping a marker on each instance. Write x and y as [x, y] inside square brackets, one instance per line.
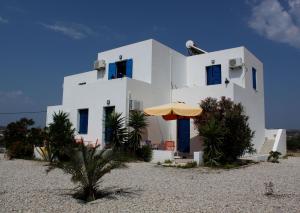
[112, 71]
[129, 64]
[213, 75]
[254, 78]
[209, 76]
[217, 74]
[83, 121]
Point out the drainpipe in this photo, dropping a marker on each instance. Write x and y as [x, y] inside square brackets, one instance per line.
[170, 126]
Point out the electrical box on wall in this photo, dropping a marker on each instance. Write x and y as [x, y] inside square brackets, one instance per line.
[99, 65]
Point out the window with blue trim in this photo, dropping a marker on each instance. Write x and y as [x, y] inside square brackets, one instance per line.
[254, 78]
[120, 69]
[213, 74]
[83, 121]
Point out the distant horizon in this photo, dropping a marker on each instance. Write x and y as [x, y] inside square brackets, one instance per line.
[42, 43]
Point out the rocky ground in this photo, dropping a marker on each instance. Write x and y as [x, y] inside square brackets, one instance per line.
[145, 187]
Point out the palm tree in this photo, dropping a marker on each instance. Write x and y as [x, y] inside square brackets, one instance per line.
[60, 135]
[118, 133]
[138, 123]
[213, 134]
[87, 165]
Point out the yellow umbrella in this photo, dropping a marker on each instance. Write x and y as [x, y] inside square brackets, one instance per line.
[174, 111]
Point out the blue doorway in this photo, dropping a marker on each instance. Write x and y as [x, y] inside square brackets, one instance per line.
[107, 111]
[183, 135]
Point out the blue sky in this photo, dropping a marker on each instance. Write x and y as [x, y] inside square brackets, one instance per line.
[43, 41]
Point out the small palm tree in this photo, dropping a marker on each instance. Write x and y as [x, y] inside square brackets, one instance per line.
[87, 165]
[138, 123]
[213, 135]
[118, 133]
[60, 136]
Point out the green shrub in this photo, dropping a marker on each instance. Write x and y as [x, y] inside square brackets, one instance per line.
[21, 150]
[60, 136]
[125, 156]
[293, 143]
[20, 138]
[274, 156]
[224, 126]
[188, 165]
[144, 153]
[168, 161]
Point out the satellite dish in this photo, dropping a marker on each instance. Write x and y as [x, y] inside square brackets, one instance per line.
[189, 44]
[193, 49]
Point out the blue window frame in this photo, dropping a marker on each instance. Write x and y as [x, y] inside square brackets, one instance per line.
[83, 121]
[254, 78]
[120, 69]
[213, 74]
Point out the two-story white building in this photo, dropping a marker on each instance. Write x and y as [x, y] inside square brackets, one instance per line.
[148, 73]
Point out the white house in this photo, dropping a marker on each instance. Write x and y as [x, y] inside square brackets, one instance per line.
[148, 73]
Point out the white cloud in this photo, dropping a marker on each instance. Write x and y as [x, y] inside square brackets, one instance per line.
[3, 20]
[74, 31]
[278, 23]
[17, 96]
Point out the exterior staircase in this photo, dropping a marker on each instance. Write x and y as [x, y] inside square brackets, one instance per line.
[267, 146]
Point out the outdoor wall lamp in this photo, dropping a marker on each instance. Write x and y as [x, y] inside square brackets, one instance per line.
[226, 81]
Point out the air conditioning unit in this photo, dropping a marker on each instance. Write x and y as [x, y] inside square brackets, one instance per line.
[235, 63]
[134, 105]
[99, 65]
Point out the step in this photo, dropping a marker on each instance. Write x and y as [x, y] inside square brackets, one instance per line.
[183, 160]
[267, 146]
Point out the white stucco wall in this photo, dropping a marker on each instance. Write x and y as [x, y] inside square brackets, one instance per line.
[156, 69]
[140, 52]
[94, 96]
[196, 67]
[254, 107]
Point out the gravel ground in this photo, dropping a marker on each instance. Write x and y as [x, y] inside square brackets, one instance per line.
[145, 187]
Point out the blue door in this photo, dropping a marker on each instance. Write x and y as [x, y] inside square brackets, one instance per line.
[213, 74]
[83, 121]
[183, 135]
[107, 131]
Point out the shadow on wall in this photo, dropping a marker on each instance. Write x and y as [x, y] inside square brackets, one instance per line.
[196, 144]
[236, 74]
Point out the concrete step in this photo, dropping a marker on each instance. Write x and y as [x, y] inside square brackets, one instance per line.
[183, 160]
[257, 158]
[267, 146]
